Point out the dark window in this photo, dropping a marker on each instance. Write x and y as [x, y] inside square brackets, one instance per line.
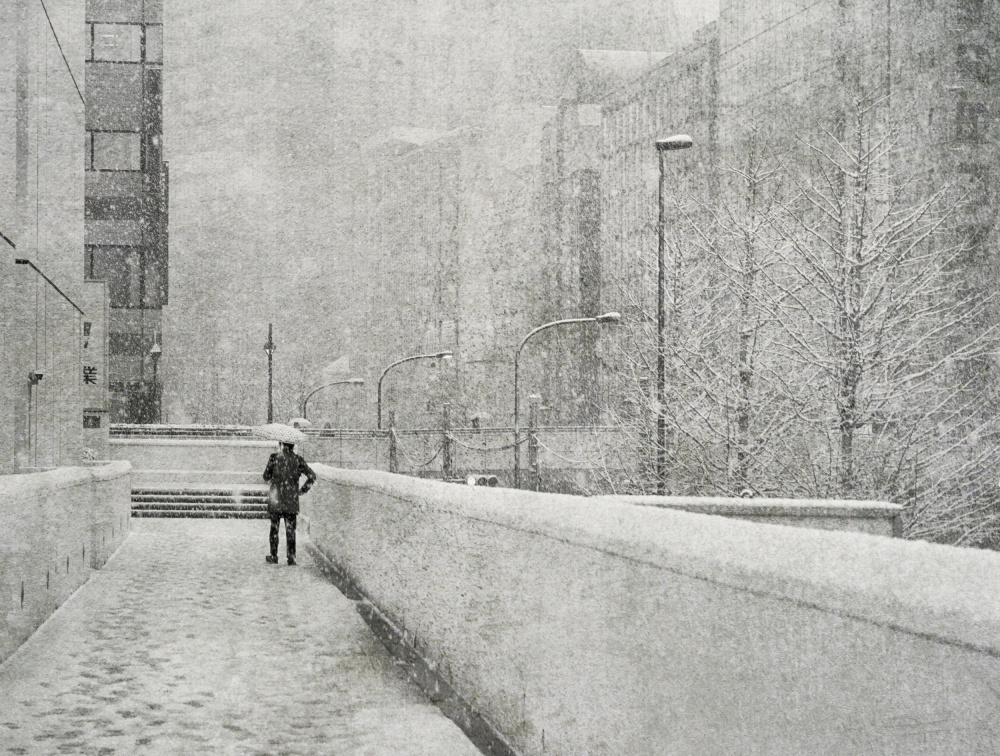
[136, 277]
[114, 97]
[121, 268]
[970, 11]
[126, 344]
[972, 62]
[91, 421]
[975, 175]
[152, 118]
[974, 240]
[970, 121]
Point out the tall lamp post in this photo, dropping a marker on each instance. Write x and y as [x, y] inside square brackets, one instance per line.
[663, 146]
[435, 356]
[154, 354]
[305, 402]
[269, 348]
[608, 317]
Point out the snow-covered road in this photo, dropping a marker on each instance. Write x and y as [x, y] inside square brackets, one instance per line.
[187, 642]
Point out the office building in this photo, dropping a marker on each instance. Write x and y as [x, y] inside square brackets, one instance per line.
[126, 194]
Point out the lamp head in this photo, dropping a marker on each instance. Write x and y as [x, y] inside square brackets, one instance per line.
[444, 355]
[676, 142]
[609, 317]
[357, 381]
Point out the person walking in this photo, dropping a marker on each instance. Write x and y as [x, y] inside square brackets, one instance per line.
[284, 470]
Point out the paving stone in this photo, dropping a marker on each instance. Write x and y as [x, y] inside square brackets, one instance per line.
[187, 642]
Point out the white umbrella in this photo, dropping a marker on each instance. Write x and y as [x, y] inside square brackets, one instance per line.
[286, 434]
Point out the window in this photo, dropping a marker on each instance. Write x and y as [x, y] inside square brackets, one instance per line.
[121, 268]
[91, 421]
[118, 42]
[970, 121]
[154, 44]
[127, 344]
[972, 61]
[116, 151]
[975, 174]
[974, 252]
[88, 152]
[114, 97]
[970, 11]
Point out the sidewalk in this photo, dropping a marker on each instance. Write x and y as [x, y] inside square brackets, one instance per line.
[187, 642]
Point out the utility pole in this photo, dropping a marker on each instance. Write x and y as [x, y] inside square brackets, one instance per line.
[269, 348]
[679, 142]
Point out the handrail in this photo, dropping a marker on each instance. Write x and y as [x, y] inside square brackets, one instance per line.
[50, 282]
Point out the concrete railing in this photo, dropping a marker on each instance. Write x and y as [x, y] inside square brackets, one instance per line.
[873, 517]
[594, 626]
[58, 527]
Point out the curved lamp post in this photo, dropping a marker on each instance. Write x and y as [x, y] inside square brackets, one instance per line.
[435, 356]
[305, 402]
[608, 317]
[663, 146]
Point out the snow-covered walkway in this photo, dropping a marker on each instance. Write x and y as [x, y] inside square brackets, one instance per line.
[187, 642]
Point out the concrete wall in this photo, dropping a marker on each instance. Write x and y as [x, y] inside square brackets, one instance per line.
[596, 626]
[192, 454]
[58, 527]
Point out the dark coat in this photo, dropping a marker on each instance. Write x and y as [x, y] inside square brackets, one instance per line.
[283, 470]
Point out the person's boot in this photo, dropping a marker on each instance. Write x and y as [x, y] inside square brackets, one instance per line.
[291, 561]
[271, 558]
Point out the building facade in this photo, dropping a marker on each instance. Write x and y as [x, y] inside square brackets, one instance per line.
[907, 90]
[126, 194]
[52, 321]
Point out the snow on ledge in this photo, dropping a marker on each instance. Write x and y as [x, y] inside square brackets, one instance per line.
[192, 442]
[764, 506]
[30, 484]
[941, 592]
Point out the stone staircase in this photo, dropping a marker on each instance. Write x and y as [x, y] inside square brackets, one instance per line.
[195, 471]
[248, 502]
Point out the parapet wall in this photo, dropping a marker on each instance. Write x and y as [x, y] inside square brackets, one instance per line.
[597, 626]
[193, 454]
[58, 527]
[873, 517]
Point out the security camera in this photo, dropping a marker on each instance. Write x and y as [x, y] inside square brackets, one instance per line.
[35, 376]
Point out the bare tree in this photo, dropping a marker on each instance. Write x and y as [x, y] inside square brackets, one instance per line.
[867, 283]
[723, 387]
[822, 343]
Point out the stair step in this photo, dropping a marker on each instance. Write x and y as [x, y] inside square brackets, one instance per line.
[236, 491]
[187, 505]
[203, 513]
[200, 499]
[229, 495]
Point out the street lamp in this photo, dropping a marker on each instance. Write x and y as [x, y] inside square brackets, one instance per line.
[608, 317]
[435, 356]
[678, 142]
[269, 349]
[154, 354]
[305, 403]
